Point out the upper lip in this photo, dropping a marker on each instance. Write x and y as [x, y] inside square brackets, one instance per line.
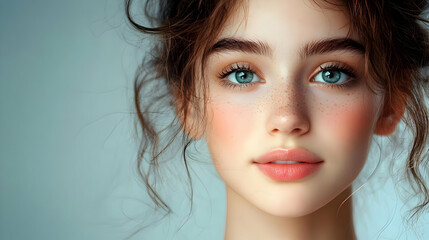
[282, 154]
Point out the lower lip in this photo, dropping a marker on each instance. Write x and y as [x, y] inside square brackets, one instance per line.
[288, 172]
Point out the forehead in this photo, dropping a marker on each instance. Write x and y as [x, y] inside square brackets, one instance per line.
[287, 21]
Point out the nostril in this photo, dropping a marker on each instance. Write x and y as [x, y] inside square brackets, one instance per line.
[297, 131]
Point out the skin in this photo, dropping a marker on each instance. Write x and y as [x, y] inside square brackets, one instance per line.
[286, 108]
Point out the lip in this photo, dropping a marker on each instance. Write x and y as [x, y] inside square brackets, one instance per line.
[307, 163]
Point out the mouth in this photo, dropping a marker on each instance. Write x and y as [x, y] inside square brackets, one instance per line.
[288, 164]
[285, 162]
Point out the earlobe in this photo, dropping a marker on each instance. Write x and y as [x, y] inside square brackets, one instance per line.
[386, 126]
[388, 122]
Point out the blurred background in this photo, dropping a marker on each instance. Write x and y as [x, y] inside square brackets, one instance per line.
[67, 142]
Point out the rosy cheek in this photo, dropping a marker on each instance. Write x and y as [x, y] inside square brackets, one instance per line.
[350, 122]
[228, 127]
[225, 122]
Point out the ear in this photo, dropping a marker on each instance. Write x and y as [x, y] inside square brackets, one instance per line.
[389, 119]
[191, 123]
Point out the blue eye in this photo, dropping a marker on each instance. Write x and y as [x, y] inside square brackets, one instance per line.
[333, 75]
[243, 77]
[239, 75]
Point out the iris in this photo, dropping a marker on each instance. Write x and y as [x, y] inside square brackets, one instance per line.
[330, 76]
[243, 76]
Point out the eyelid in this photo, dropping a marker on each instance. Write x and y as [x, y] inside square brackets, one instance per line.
[240, 66]
[237, 67]
[345, 68]
[337, 66]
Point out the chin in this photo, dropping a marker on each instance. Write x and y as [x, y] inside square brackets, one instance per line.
[292, 208]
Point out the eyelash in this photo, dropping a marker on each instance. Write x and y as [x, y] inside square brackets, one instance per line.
[232, 69]
[340, 68]
[245, 67]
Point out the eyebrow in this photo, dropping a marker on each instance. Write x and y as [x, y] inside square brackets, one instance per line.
[331, 45]
[241, 45]
[309, 49]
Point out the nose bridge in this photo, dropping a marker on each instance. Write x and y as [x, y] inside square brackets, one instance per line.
[289, 97]
[288, 113]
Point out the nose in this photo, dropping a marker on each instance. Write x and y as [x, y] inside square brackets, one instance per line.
[288, 114]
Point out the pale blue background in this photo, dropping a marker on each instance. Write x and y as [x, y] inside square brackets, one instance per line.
[67, 147]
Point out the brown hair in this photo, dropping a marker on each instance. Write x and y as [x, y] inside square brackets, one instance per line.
[186, 30]
[396, 46]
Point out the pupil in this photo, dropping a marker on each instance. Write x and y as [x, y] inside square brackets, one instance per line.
[331, 76]
[244, 76]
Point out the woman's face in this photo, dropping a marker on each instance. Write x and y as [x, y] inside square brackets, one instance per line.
[286, 76]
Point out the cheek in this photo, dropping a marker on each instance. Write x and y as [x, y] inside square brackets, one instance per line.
[223, 123]
[345, 128]
[229, 127]
[350, 121]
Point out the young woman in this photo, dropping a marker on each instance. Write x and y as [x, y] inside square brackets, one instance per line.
[287, 95]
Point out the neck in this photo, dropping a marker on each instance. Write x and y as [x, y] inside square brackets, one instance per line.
[246, 221]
